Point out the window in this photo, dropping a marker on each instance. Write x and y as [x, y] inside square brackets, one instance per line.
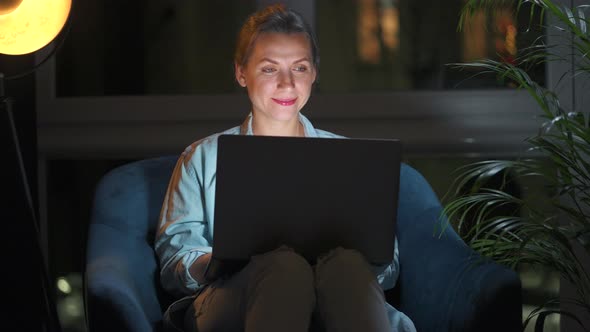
[186, 47]
[389, 45]
[150, 48]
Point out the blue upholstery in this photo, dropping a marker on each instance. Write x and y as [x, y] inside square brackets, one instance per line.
[443, 284]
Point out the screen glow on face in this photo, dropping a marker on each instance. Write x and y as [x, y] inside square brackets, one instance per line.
[279, 75]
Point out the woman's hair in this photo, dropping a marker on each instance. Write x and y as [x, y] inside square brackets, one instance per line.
[274, 18]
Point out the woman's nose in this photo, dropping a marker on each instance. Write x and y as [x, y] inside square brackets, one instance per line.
[286, 79]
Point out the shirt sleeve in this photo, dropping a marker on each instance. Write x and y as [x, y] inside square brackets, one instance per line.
[182, 234]
[387, 275]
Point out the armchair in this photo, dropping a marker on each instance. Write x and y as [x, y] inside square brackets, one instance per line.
[443, 285]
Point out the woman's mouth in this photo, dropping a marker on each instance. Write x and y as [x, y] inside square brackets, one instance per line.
[284, 102]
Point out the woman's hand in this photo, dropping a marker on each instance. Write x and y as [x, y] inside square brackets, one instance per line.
[197, 270]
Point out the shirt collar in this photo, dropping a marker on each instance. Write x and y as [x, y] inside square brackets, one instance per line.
[309, 130]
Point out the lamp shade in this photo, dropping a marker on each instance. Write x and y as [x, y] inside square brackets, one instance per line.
[29, 25]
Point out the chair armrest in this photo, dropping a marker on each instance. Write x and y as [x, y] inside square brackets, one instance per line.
[113, 296]
[446, 286]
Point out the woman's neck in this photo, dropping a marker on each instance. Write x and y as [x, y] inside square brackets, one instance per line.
[291, 128]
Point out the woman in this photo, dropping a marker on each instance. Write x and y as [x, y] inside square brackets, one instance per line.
[277, 61]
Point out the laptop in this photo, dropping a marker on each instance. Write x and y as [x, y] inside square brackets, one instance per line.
[311, 194]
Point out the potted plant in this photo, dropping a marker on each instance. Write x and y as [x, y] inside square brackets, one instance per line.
[543, 231]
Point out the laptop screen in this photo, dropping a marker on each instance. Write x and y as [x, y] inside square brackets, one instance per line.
[311, 194]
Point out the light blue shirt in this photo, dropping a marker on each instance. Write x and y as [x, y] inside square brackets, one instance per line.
[186, 221]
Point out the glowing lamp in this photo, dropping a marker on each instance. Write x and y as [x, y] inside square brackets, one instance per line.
[28, 25]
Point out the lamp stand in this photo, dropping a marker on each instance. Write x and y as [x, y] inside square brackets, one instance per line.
[51, 322]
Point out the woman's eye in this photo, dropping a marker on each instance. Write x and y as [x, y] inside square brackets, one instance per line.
[301, 68]
[268, 70]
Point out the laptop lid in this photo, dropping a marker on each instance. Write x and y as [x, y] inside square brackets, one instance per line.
[311, 194]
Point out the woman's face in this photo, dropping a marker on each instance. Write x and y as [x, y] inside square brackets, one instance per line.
[278, 75]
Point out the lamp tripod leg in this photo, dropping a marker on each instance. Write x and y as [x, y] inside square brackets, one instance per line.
[52, 324]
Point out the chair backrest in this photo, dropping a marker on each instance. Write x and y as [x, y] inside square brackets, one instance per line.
[120, 253]
[122, 285]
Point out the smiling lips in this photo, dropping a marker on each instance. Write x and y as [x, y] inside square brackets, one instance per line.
[284, 102]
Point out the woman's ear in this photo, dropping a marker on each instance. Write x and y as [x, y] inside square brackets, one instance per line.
[240, 77]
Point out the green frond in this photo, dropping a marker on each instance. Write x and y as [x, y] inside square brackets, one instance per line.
[540, 229]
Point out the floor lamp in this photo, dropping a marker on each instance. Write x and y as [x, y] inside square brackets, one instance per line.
[27, 26]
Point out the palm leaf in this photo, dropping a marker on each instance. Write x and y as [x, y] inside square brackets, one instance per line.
[539, 230]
